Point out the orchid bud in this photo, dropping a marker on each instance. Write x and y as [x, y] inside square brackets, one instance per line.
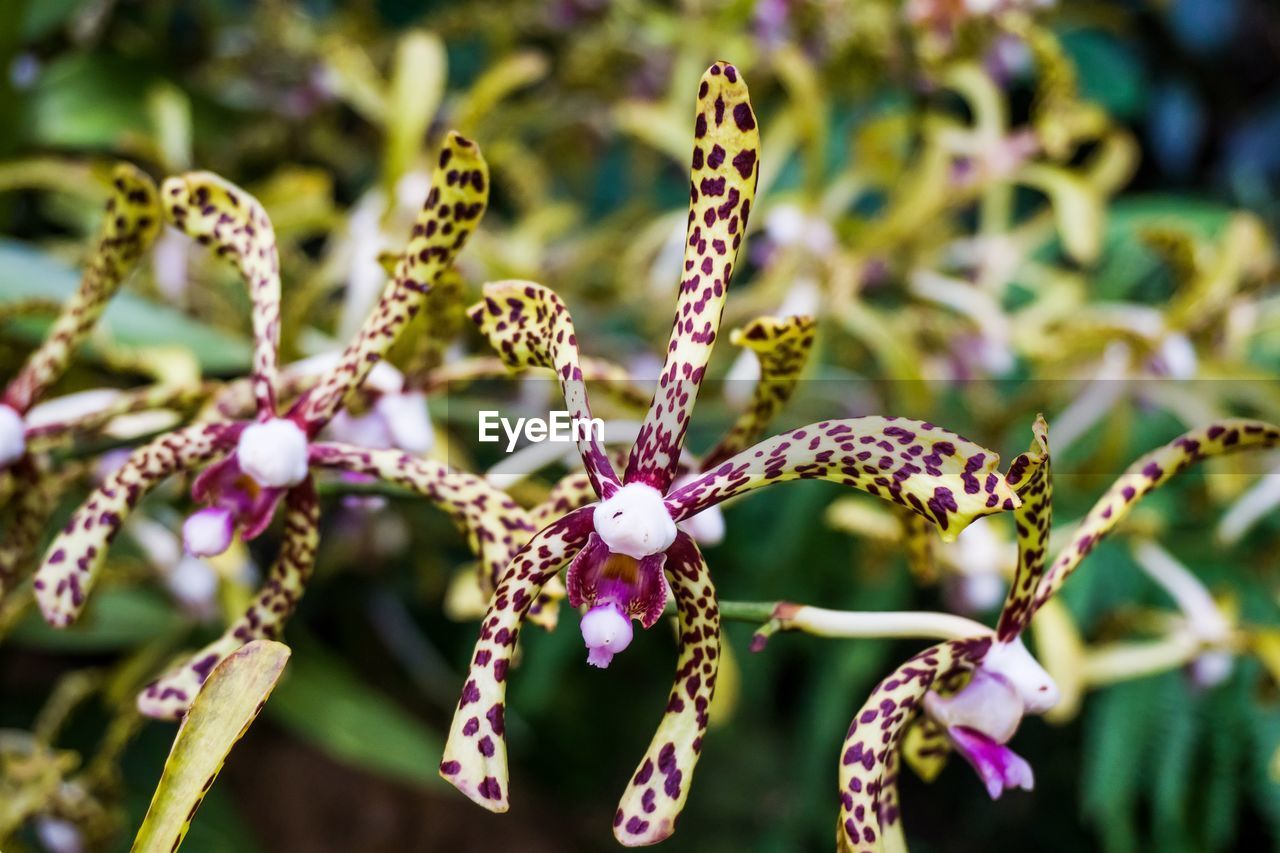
[13, 440]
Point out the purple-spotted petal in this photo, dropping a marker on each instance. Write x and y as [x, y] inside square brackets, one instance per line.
[997, 765]
[931, 471]
[475, 755]
[234, 225]
[1031, 477]
[131, 225]
[722, 185]
[1144, 476]
[529, 326]
[875, 736]
[495, 525]
[782, 347]
[170, 696]
[457, 199]
[71, 564]
[36, 494]
[660, 785]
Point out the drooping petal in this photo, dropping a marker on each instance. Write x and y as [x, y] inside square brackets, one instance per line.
[457, 199]
[218, 214]
[936, 473]
[71, 564]
[876, 733]
[495, 525]
[1145, 475]
[47, 427]
[782, 346]
[475, 755]
[660, 786]
[1032, 478]
[722, 185]
[131, 225]
[443, 319]
[170, 696]
[529, 326]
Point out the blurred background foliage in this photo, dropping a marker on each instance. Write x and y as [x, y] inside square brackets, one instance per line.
[984, 212]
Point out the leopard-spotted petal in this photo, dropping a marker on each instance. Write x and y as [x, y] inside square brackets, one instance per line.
[936, 473]
[875, 735]
[1031, 477]
[222, 216]
[660, 786]
[722, 185]
[529, 326]
[782, 347]
[170, 696]
[131, 225]
[495, 525]
[73, 559]
[457, 199]
[475, 755]
[1144, 476]
[571, 491]
[36, 493]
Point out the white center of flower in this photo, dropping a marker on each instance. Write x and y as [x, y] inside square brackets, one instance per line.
[635, 522]
[13, 440]
[1024, 672]
[274, 453]
[988, 704]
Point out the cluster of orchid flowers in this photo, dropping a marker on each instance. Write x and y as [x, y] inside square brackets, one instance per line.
[627, 526]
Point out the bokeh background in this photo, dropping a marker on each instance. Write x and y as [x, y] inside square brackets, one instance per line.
[1159, 128]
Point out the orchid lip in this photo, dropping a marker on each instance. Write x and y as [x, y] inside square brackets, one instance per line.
[208, 532]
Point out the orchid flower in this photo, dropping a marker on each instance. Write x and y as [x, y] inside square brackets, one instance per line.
[974, 691]
[626, 552]
[251, 466]
[131, 224]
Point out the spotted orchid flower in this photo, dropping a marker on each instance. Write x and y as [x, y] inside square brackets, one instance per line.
[626, 553]
[26, 425]
[973, 692]
[249, 467]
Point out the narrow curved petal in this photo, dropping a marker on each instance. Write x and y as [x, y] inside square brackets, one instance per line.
[132, 401]
[722, 185]
[876, 733]
[495, 525]
[25, 520]
[457, 199]
[569, 493]
[936, 473]
[131, 225]
[475, 755]
[660, 786]
[529, 326]
[170, 696]
[73, 559]
[1145, 475]
[222, 216]
[782, 347]
[1032, 478]
[443, 319]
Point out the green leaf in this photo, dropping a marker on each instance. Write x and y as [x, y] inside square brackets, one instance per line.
[116, 618]
[326, 704]
[223, 710]
[26, 272]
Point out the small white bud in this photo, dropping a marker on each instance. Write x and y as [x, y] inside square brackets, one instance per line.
[208, 532]
[607, 631]
[13, 438]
